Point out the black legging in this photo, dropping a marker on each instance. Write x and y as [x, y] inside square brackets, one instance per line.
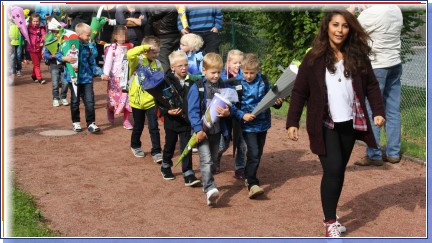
[339, 143]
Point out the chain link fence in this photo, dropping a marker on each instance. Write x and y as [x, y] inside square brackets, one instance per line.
[413, 80]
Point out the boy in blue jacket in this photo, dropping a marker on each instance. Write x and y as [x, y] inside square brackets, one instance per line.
[198, 98]
[254, 128]
[56, 73]
[87, 68]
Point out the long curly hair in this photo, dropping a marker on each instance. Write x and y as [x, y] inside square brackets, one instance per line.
[355, 48]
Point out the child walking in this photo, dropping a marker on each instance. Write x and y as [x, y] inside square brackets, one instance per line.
[36, 34]
[232, 68]
[16, 57]
[175, 125]
[87, 69]
[142, 103]
[191, 44]
[208, 143]
[57, 75]
[116, 66]
[255, 86]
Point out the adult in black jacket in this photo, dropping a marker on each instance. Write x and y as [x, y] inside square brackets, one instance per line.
[78, 14]
[164, 21]
[133, 16]
[175, 124]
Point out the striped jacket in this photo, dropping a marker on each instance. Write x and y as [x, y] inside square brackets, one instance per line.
[202, 18]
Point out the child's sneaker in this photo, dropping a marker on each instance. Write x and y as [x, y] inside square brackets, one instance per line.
[167, 173]
[332, 229]
[339, 226]
[255, 191]
[41, 81]
[127, 125]
[93, 128]
[138, 152]
[56, 102]
[77, 126]
[240, 174]
[34, 79]
[24, 62]
[191, 180]
[212, 196]
[110, 116]
[19, 73]
[157, 158]
[64, 102]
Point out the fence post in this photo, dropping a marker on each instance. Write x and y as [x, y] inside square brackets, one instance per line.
[233, 36]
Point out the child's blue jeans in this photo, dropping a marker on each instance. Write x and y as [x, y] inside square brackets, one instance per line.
[241, 151]
[16, 57]
[56, 77]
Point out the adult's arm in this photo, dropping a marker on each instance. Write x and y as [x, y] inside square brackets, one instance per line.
[57, 8]
[300, 94]
[121, 20]
[218, 18]
[374, 93]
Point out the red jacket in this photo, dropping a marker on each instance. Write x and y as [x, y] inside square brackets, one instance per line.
[310, 86]
[36, 34]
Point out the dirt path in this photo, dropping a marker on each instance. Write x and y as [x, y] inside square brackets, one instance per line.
[91, 185]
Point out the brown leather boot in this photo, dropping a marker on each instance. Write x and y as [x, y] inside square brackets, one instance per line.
[367, 161]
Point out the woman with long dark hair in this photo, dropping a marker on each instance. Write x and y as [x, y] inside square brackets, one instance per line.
[334, 78]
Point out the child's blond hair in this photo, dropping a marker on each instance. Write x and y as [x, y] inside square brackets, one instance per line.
[194, 41]
[250, 61]
[176, 56]
[151, 40]
[212, 60]
[232, 53]
[81, 27]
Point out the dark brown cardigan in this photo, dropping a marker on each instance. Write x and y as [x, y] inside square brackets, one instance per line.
[310, 86]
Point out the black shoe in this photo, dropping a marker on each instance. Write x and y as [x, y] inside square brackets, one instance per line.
[41, 81]
[167, 174]
[191, 180]
[34, 79]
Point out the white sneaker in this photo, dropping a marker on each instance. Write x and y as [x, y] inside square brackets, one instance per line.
[93, 128]
[212, 197]
[77, 126]
[56, 103]
[331, 229]
[340, 227]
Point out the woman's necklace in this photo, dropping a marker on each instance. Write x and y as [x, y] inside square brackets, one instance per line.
[340, 72]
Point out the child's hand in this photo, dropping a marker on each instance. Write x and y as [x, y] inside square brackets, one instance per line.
[201, 135]
[104, 77]
[184, 32]
[279, 101]
[175, 112]
[41, 44]
[69, 59]
[223, 112]
[248, 117]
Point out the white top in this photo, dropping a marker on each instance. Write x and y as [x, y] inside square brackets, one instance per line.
[383, 22]
[340, 94]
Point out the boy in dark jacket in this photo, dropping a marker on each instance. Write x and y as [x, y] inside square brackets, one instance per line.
[56, 73]
[175, 124]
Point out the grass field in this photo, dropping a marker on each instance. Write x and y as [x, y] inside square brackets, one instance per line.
[27, 218]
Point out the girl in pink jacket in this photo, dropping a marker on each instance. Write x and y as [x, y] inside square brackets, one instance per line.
[36, 34]
[117, 68]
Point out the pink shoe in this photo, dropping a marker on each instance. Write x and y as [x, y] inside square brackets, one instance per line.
[110, 116]
[127, 125]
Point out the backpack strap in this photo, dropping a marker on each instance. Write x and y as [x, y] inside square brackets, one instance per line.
[239, 88]
[201, 90]
[138, 66]
[158, 64]
[266, 83]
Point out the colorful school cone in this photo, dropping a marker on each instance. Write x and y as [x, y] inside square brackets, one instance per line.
[96, 26]
[210, 117]
[52, 46]
[192, 142]
[69, 43]
[182, 16]
[18, 18]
